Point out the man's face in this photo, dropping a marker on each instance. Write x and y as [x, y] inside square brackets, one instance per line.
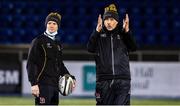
[52, 26]
[110, 23]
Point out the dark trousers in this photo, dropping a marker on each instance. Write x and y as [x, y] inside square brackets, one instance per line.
[113, 92]
[49, 95]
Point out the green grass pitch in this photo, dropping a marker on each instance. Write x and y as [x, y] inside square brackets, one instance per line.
[73, 101]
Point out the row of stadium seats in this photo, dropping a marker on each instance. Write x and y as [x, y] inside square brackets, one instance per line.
[153, 22]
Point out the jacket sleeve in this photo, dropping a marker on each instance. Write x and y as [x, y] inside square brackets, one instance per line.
[129, 41]
[65, 71]
[32, 62]
[92, 44]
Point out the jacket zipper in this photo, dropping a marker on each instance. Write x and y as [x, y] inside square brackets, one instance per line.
[112, 51]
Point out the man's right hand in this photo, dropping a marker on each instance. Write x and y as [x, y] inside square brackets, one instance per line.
[35, 90]
[99, 24]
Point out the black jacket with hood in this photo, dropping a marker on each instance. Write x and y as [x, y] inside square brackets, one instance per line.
[111, 49]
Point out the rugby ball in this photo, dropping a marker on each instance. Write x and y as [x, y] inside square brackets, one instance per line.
[65, 85]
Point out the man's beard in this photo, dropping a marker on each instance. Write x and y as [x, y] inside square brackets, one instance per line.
[109, 28]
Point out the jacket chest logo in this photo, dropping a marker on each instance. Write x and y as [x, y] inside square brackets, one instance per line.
[103, 35]
[49, 45]
[118, 37]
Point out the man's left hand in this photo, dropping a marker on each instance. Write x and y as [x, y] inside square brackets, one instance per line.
[74, 84]
[126, 23]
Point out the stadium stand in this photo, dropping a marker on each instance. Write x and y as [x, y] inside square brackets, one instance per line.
[154, 22]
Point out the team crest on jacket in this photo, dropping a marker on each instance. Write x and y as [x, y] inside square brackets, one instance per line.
[118, 37]
[49, 45]
[103, 35]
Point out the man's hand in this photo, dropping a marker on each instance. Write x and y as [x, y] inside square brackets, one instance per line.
[126, 23]
[35, 90]
[74, 84]
[99, 24]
